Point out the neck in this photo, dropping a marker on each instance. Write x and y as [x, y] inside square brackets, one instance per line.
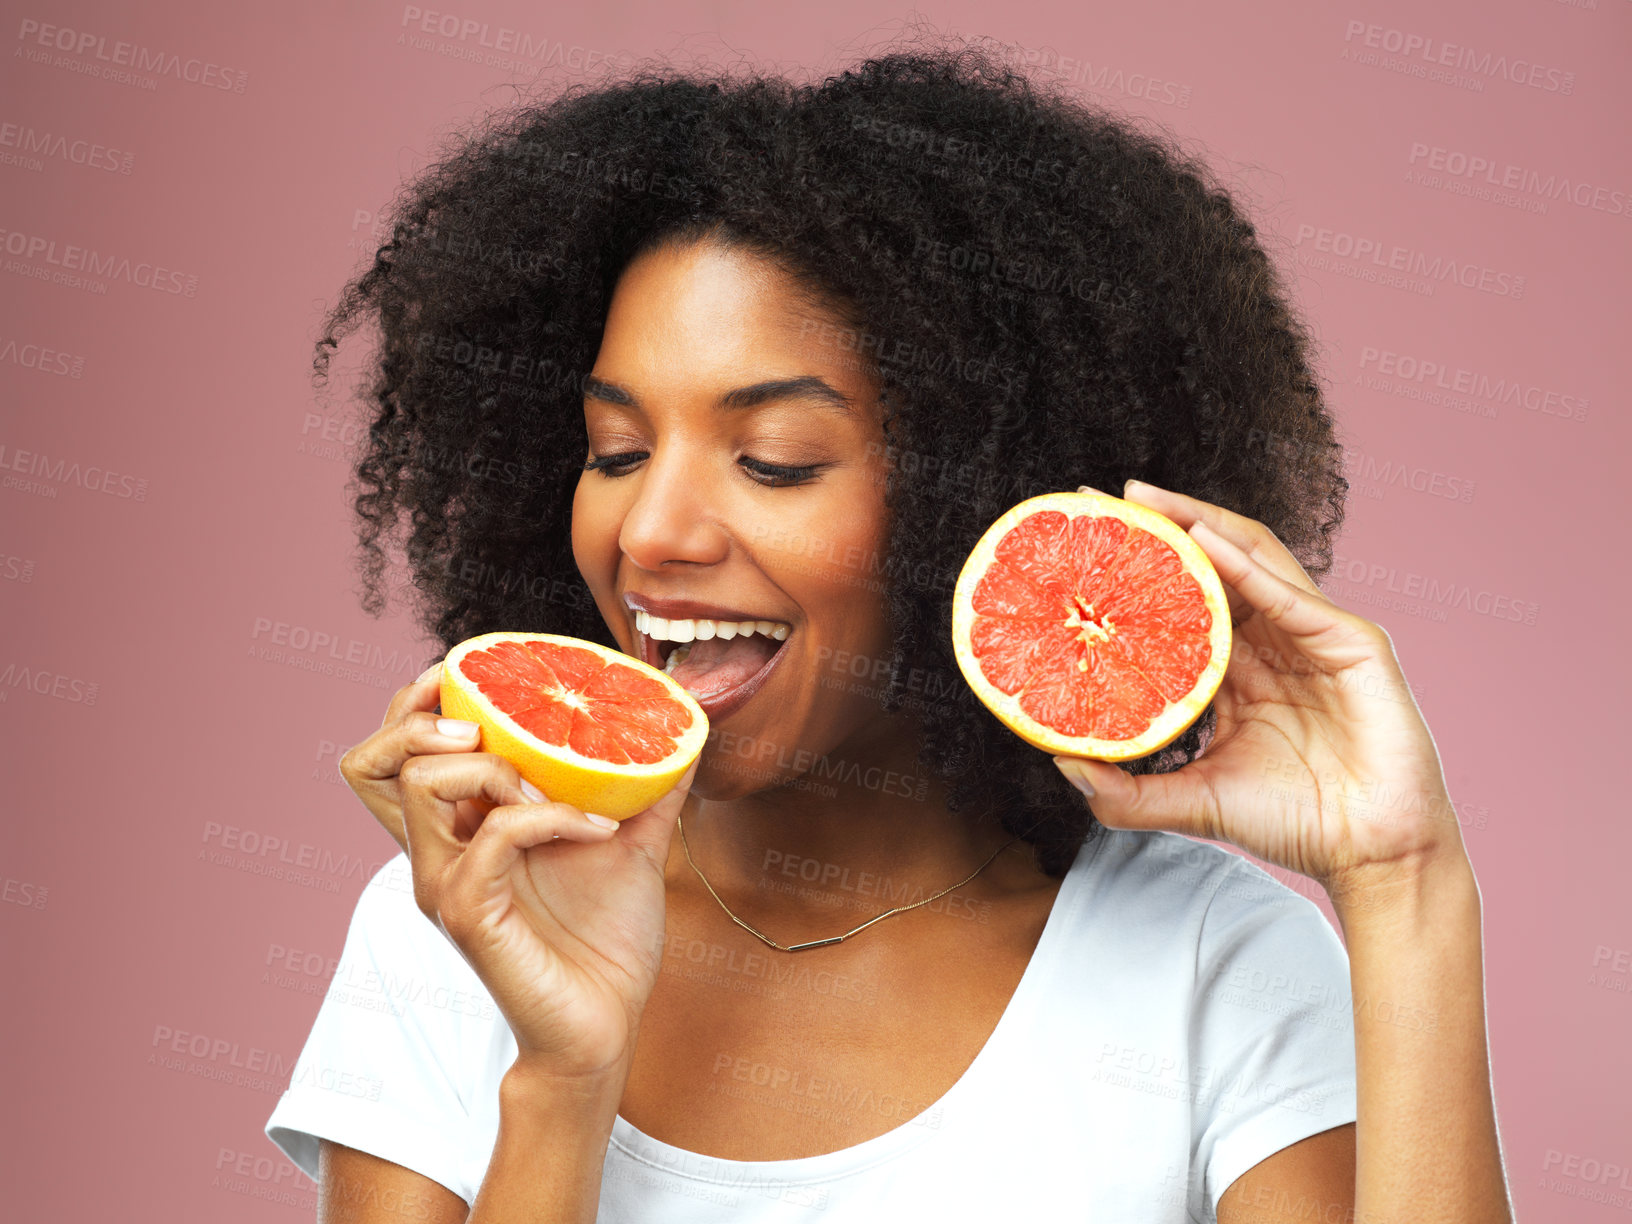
[863, 829]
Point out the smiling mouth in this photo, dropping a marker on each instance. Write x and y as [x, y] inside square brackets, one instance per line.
[720, 663]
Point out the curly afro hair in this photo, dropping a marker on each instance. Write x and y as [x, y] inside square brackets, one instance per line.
[1049, 295]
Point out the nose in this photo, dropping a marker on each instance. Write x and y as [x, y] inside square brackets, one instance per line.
[672, 517]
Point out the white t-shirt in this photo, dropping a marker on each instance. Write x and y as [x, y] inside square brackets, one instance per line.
[1184, 1016]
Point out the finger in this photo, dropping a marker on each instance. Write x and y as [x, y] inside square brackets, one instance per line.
[1249, 535]
[1290, 608]
[1179, 802]
[438, 819]
[651, 830]
[380, 757]
[481, 873]
[419, 694]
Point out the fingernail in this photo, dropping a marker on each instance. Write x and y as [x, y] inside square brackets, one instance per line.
[1074, 776]
[430, 671]
[456, 728]
[1088, 489]
[606, 822]
[532, 792]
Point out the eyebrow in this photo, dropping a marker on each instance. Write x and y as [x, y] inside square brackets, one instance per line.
[805, 386]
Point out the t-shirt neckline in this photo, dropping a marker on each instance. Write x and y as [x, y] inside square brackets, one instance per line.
[826, 1166]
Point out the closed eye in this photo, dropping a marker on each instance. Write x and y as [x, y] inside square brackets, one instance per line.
[771, 475]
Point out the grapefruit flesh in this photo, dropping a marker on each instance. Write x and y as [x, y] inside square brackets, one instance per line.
[586, 724]
[1091, 626]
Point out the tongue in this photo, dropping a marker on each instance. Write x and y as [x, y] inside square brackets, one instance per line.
[717, 665]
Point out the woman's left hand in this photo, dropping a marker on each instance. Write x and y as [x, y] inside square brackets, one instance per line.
[1321, 763]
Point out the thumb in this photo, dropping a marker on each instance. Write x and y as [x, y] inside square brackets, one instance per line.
[653, 829]
[1120, 800]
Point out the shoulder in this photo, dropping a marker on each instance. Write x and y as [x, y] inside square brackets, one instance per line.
[1176, 872]
[1164, 888]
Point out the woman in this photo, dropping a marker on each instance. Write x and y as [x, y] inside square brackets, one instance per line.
[684, 351]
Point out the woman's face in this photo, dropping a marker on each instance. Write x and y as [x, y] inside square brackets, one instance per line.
[712, 379]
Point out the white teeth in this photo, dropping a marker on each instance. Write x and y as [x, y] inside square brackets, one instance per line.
[702, 629]
[676, 658]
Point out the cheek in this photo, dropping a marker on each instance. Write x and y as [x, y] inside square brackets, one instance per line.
[868, 532]
[593, 535]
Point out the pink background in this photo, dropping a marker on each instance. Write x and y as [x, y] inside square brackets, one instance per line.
[148, 612]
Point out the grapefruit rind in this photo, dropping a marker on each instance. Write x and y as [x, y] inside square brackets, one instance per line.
[1173, 721]
[618, 791]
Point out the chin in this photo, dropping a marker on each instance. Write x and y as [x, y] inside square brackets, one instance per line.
[721, 777]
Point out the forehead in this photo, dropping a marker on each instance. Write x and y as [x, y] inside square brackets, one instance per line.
[720, 310]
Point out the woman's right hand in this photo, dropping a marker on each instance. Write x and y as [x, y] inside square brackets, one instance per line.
[561, 918]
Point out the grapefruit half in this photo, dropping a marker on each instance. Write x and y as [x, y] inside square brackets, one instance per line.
[586, 724]
[1091, 626]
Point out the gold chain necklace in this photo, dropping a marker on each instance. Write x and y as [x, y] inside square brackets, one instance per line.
[822, 943]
